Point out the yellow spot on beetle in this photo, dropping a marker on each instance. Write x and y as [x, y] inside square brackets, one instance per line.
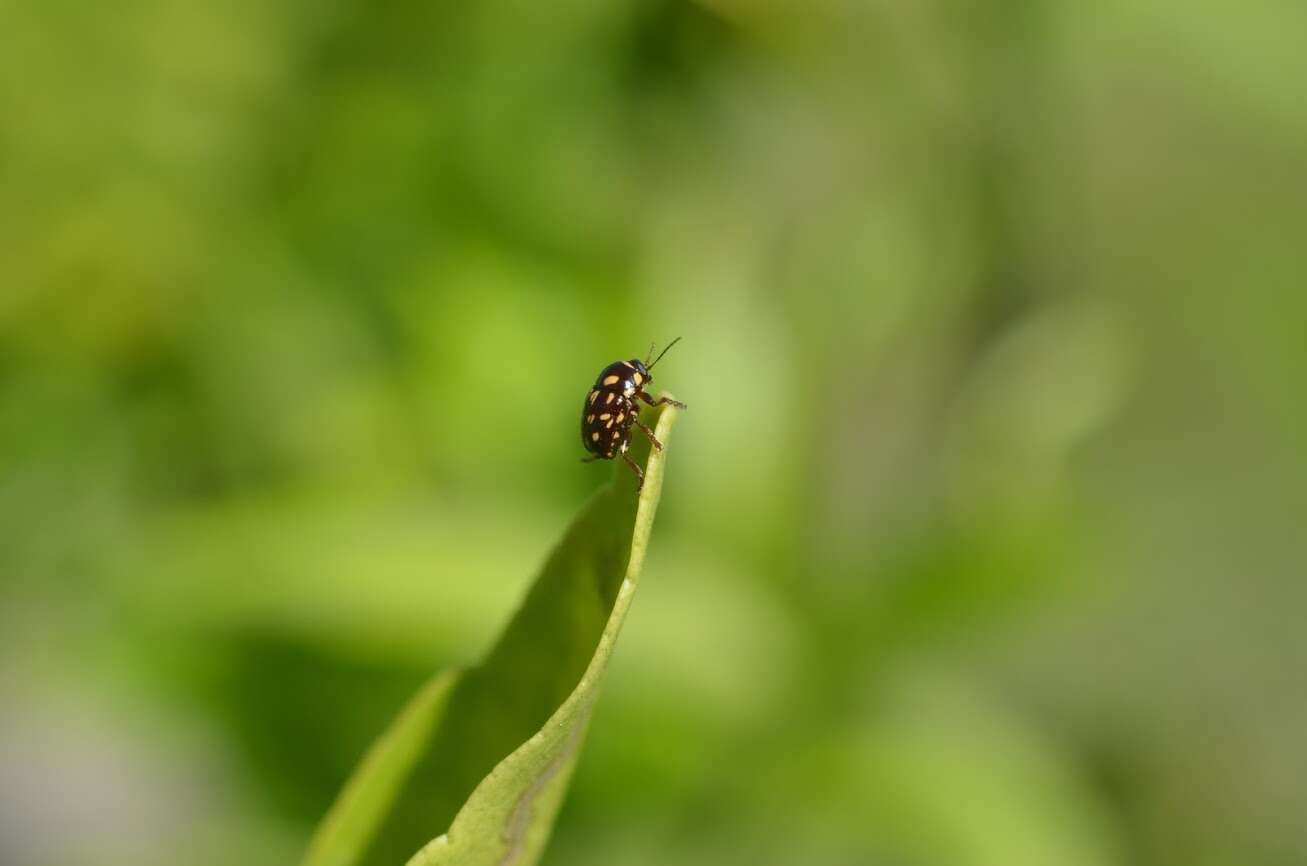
[629, 364]
[605, 416]
[594, 395]
[617, 433]
[594, 437]
[589, 418]
[639, 380]
[611, 380]
[620, 416]
[609, 398]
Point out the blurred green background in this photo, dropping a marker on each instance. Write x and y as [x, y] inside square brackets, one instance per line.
[982, 540]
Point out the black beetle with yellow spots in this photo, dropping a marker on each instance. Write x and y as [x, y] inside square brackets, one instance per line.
[610, 410]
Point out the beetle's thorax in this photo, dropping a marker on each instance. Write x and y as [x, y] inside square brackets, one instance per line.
[625, 377]
[640, 376]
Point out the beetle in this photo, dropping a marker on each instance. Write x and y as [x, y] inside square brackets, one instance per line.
[610, 410]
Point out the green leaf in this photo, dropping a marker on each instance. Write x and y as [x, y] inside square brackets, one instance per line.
[366, 797]
[474, 770]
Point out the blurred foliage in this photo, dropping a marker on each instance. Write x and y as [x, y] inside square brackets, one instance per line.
[985, 545]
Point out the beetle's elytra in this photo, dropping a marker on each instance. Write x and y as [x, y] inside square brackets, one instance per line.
[610, 410]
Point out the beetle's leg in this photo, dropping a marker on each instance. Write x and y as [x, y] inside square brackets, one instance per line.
[639, 473]
[652, 438]
[661, 400]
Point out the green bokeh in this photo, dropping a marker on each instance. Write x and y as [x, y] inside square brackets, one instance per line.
[982, 542]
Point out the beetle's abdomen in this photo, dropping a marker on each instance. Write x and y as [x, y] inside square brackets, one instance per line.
[606, 419]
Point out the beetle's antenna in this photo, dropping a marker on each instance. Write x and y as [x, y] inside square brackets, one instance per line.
[660, 354]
